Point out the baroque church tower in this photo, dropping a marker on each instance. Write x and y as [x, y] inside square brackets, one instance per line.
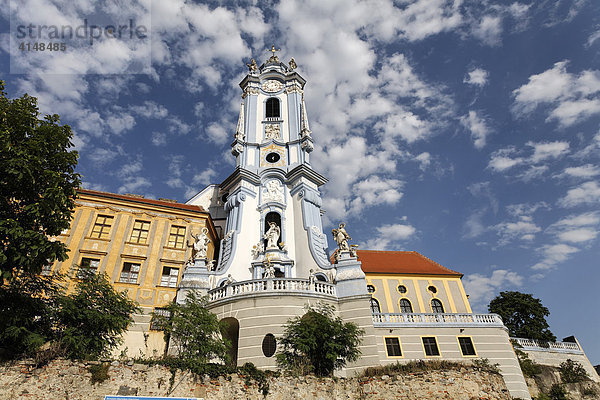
[271, 201]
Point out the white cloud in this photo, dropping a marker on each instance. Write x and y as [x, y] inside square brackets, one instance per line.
[584, 219]
[583, 171]
[374, 191]
[388, 234]
[533, 172]
[510, 231]
[488, 30]
[474, 226]
[586, 193]
[578, 235]
[477, 126]
[424, 160]
[205, 177]
[150, 109]
[481, 289]
[477, 77]
[501, 163]
[131, 180]
[526, 209]
[571, 97]
[554, 254]
[592, 38]
[545, 150]
[159, 139]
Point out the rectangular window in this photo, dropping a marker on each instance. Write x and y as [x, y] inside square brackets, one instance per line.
[129, 273]
[139, 234]
[102, 226]
[177, 237]
[169, 277]
[430, 346]
[156, 324]
[88, 266]
[466, 346]
[392, 346]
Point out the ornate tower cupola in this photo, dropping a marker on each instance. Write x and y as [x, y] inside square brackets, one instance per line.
[271, 201]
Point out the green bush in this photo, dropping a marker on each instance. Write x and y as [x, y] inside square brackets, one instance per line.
[92, 320]
[572, 372]
[99, 372]
[193, 331]
[528, 366]
[557, 392]
[484, 364]
[318, 342]
[412, 367]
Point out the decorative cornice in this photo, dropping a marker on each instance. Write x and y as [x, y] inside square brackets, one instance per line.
[238, 175]
[307, 172]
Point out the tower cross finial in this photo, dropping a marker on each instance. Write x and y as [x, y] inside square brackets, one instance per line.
[274, 56]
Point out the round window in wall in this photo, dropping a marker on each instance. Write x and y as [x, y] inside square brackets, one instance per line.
[432, 289]
[370, 288]
[269, 345]
[402, 289]
[273, 157]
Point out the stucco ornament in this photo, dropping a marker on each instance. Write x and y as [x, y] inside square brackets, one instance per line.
[272, 235]
[211, 265]
[311, 276]
[341, 237]
[353, 250]
[272, 86]
[271, 131]
[201, 244]
[272, 191]
[258, 249]
[269, 272]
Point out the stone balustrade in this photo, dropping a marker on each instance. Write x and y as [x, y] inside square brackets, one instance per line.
[273, 285]
[534, 345]
[435, 319]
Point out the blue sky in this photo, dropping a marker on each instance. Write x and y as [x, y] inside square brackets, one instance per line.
[466, 130]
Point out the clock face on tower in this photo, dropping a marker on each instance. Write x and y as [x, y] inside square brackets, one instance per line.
[272, 156]
[272, 86]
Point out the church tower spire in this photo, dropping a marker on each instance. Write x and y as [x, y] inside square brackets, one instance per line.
[271, 200]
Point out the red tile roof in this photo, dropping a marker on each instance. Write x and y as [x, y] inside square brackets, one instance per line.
[401, 262]
[141, 200]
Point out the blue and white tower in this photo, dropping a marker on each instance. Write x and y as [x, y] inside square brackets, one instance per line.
[271, 203]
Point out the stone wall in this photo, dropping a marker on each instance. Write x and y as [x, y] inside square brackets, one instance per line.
[554, 358]
[66, 380]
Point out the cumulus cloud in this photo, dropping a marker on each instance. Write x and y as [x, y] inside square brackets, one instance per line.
[553, 255]
[517, 230]
[481, 288]
[488, 30]
[570, 98]
[477, 126]
[389, 234]
[504, 159]
[586, 193]
[476, 77]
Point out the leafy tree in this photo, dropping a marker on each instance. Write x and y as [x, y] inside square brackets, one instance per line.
[27, 305]
[523, 315]
[92, 320]
[37, 185]
[319, 340]
[572, 372]
[194, 331]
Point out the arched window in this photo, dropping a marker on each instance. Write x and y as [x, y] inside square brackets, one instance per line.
[272, 108]
[437, 306]
[375, 306]
[405, 306]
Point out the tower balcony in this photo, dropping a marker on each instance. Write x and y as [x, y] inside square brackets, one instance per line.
[392, 320]
[272, 286]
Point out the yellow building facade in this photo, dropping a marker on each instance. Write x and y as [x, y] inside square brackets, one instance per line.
[142, 245]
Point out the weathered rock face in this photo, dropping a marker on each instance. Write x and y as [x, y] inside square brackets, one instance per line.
[62, 379]
[551, 375]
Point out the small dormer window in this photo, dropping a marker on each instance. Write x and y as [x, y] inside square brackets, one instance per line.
[272, 108]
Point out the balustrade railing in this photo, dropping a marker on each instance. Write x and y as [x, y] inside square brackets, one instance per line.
[532, 344]
[436, 318]
[278, 285]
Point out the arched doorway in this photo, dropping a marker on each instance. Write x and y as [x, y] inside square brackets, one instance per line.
[231, 332]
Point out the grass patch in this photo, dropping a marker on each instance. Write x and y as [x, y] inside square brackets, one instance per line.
[420, 366]
[99, 372]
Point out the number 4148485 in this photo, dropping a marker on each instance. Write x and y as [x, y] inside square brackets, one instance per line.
[50, 46]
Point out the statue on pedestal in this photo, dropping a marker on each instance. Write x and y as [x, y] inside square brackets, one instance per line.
[201, 244]
[341, 237]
